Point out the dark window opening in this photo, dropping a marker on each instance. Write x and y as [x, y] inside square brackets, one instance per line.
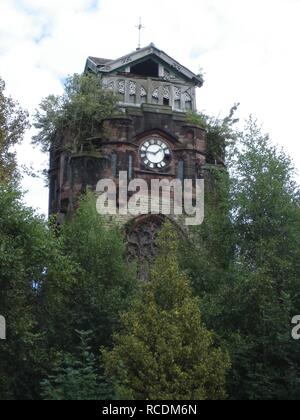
[166, 102]
[146, 68]
[180, 174]
[114, 164]
[130, 167]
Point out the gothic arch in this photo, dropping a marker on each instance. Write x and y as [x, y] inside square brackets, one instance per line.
[141, 234]
[158, 131]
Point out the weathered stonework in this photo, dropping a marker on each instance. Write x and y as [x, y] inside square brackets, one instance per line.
[72, 174]
[153, 105]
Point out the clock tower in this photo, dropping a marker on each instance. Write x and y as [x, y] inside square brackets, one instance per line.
[150, 138]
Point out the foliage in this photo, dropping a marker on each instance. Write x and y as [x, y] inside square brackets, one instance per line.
[266, 202]
[267, 225]
[251, 301]
[29, 257]
[103, 283]
[13, 123]
[219, 132]
[76, 376]
[209, 261]
[241, 269]
[164, 351]
[51, 285]
[77, 113]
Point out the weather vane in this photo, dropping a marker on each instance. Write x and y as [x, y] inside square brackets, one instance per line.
[140, 27]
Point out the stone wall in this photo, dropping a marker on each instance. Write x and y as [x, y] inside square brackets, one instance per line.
[72, 174]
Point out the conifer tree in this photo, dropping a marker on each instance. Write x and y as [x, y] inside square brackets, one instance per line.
[164, 351]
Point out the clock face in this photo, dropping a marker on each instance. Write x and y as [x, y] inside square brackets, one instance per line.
[155, 154]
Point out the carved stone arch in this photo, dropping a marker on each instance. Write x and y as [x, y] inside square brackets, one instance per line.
[142, 233]
[166, 92]
[121, 89]
[121, 86]
[155, 95]
[157, 131]
[143, 94]
[143, 91]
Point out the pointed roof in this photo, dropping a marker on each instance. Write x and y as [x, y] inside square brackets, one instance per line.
[102, 65]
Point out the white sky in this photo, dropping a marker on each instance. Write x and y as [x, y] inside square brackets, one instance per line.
[249, 50]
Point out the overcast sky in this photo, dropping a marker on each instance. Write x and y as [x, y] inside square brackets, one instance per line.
[248, 49]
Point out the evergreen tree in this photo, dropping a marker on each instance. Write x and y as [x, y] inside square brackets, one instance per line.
[164, 351]
[76, 376]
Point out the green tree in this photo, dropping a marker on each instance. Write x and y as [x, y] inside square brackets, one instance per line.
[266, 205]
[76, 114]
[76, 376]
[219, 132]
[13, 124]
[209, 251]
[104, 283]
[164, 351]
[267, 225]
[29, 257]
[252, 308]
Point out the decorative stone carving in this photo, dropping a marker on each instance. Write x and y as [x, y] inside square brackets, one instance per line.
[177, 66]
[127, 60]
[121, 87]
[143, 92]
[167, 75]
[166, 92]
[132, 88]
[177, 93]
[155, 93]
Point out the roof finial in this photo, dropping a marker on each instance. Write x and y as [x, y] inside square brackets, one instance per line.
[140, 27]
